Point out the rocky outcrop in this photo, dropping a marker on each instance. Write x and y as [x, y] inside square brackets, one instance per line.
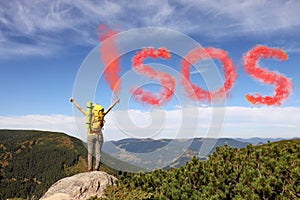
[80, 186]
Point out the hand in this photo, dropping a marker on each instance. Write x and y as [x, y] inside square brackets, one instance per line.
[117, 100]
[71, 99]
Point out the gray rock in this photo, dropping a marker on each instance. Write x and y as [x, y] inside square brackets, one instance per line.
[80, 186]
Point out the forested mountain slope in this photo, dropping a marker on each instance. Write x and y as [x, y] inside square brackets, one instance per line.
[270, 171]
[31, 161]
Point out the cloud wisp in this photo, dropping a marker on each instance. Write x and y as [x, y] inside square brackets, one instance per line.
[43, 27]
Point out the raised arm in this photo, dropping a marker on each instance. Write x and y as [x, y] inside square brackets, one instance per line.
[112, 105]
[78, 106]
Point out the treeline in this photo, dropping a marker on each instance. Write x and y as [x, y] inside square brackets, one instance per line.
[270, 171]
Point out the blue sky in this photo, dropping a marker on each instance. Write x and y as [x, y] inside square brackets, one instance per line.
[44, 43]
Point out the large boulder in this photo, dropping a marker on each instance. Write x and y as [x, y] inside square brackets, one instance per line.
[80, 186]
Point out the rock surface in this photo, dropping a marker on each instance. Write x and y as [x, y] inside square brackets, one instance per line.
[80, 186]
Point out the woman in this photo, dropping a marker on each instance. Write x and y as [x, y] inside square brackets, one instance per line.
[95, 121]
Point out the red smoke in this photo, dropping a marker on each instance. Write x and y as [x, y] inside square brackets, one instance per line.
[167, 81]
[110, 56]
[198, 54]
[283, 85]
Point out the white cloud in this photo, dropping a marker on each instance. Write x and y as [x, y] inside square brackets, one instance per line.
[264, 116]
[47, 26]
[238, 122]
[255, 16]
[60, 123]
[51, 25]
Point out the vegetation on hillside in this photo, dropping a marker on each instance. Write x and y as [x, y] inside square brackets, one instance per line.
[270, 171]
[32, 161]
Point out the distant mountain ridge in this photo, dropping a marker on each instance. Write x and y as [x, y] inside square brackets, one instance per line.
[186, 149]
[258, 140]
[168, 152]
[149, 145]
